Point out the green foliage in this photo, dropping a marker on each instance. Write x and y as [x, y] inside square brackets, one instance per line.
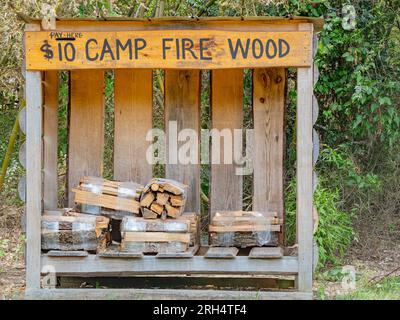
[387, 289]
[334, 232]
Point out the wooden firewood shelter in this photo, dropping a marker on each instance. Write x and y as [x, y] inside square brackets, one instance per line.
[133, 48]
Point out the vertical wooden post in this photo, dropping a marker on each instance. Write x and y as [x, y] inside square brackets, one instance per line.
[50, 141]
[33, 177]
[304, 173]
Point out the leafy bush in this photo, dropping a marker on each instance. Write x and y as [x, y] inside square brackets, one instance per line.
[334, 233]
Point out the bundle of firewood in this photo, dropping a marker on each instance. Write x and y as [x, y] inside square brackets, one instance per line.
[158, 236]
[108, 194]
[69, 231]
[163, 198]
[244, 229]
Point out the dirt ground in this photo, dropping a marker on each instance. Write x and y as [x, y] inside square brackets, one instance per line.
[374, 260]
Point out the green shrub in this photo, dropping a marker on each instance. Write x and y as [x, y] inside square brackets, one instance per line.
[334, 233]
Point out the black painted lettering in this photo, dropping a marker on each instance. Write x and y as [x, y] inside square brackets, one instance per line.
[122, 47]
[106, 50]
[203, 47]
[271, 43]
[60, 53]
[140, 44]
[69, 52]
[164, 47]
[188, 47]
[239, 45]
[96, 56]
[178, 49]
[257, 48]
[284, 48]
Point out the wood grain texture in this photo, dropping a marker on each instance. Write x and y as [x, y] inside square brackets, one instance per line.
[269, 134]
[50, 140]
[133, 119]
[264, 23]
[304, 178]
[33, 177]
[221, 253]
[182, 105]
[226, 113]
[92, 265]
[162, 294]
[86, 127]
[210, 49]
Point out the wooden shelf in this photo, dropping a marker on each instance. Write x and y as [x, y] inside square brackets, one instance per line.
[95, 265]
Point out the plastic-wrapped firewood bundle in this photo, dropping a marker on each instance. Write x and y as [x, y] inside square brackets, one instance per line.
[156, 235]
[69, 231]
[162, 198]
[101, 193]
[244, 229]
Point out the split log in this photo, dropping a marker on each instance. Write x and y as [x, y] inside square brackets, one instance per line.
[148, 214]
[165, 197]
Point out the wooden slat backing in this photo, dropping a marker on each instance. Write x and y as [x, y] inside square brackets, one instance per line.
[226, 113]
[86, 127]
[268, 113]
[182, 109]
[133, 119]
[50, 141]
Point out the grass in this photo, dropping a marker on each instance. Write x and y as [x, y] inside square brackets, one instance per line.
[367, 287]
[387, 289]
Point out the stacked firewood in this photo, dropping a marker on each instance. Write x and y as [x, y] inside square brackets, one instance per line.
[108, 194]
[69, 230]
[244, 229]
[157, 235]
[163, 198]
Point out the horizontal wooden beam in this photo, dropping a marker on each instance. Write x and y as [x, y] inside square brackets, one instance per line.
[97, 266]
[167, 49]
[162, 294]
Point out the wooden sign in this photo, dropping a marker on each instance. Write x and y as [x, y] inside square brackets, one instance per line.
[194, 49]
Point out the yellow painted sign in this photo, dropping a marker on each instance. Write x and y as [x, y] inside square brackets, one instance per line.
[192, 49]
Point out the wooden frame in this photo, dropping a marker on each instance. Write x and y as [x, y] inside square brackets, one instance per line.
[41, 173]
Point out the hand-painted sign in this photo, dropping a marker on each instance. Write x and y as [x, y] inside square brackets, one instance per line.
[196, 49]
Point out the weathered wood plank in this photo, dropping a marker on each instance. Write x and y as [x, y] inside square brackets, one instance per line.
[191, 251]
[86, 128]
[93, 265]
[304, 177]
[59, 253]
[190, 49]
[162, 294]
[50, 140]
[133, 119]
[269, 134]
[266, 253]
[221, 253]
[182, 111]
[227, 115]
[33, 177]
